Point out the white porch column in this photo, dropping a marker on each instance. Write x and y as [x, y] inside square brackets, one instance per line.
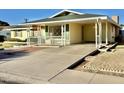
[106, 32]
[28, 36]
[48, 36]
[64, 34]
[100, 34]
[39, 35]
[62, 28]
[96, 34]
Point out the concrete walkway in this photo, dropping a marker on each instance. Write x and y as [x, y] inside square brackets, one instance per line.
[44, 65]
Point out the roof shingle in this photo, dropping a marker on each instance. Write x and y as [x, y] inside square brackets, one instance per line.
[68, 17]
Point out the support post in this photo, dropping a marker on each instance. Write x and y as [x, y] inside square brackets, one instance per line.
[28, 36]
[96, 34]
[62, 35]
[39, 35]
[106, 33]
[100, 34]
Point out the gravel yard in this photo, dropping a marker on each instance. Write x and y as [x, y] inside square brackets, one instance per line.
[111, 63]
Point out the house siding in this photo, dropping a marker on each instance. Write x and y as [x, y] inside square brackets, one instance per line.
[23, 37]
[111, 33]
[75, 33]
[89, 33]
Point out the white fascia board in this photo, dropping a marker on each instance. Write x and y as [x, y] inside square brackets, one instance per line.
[71, 20]
[65, 11]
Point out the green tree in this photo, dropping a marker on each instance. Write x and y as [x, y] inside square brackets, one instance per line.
[2, 23]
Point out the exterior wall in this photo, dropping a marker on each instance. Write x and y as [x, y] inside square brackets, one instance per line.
[12, 34]
[113, 32]
[24, 35]
[104, 32]
[89, 32]
[75, 30]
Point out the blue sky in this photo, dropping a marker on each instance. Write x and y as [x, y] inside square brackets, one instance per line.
[16, 16]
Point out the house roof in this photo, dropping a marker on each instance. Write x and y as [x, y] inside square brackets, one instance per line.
[67, 17]
[18, 26]
[13, 27]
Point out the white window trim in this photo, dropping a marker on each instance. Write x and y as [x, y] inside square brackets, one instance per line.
[65, 10]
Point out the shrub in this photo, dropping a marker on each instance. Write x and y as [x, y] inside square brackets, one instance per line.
[2, 38]
[17, 40]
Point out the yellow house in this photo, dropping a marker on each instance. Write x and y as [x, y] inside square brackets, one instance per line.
[70, 27]
[18, 32]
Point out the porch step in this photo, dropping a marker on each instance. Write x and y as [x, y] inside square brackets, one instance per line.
[102, 50]
[108, 48]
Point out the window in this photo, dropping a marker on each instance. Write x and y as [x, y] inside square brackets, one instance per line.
[67, 27]
[46, 28]
[7, 33]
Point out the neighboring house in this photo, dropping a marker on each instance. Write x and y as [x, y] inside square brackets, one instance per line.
[4, 34]
[70, 27]
[19, 32]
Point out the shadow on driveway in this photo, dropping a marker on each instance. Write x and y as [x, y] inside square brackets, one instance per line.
[12, 54]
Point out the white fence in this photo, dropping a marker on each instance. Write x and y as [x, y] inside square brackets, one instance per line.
[49, 40]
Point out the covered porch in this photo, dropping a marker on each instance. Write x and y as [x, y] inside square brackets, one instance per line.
[49, 34]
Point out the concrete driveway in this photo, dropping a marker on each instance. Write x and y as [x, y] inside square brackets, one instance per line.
[80, 77]
[43, 65]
